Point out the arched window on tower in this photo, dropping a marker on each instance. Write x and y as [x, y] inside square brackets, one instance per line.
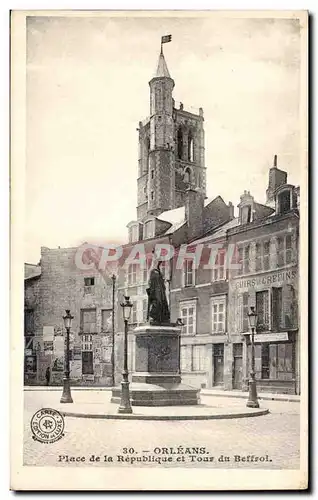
[187, 176]
[180, 143]
[190, 146]
[147, 152]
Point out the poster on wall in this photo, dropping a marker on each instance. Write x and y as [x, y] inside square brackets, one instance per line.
[77, 353]
[75, 369]
[58, 364]
[48, 346]
[107, 354]
[30, 364]
[59, 346]
[48, 333]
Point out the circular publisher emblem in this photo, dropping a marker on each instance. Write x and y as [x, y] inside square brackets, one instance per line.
[47, 425]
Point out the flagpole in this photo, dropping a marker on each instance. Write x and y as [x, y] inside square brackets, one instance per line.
[161, 52]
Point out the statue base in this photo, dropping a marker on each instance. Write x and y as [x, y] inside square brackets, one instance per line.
[157, 379]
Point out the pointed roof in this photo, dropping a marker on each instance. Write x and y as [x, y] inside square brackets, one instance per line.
[162, 68]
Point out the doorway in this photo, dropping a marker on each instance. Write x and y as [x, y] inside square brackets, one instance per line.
[237, 366]
[218, 363]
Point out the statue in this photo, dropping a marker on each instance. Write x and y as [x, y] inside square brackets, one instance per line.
[158, 310]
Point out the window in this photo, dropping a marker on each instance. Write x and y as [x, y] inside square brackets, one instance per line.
[89, 281]
[199, 358]
[246, 216]
[148, 229]
[88, 321]
[88, 285]
[188, 317]
[246, 259]
[145, 270]
[28, 321]
[106, 320]
[218, 273]
[288, 249]
[187, 176]
[262, 256]
[87, 363]
[151, 195]
[87, 343]
[152, 174]
[262, 308]
[185, 358]
[193, 358]
[277, 308]
[284, 202]
[165, 269]
[240, 260]
[190, 146]
[266, 255]
[245, 311]
[133, 316]
[135, 233]
[188, 273]
[284, 250]
[132, 274]
[218, 314]
[265, 360]
[275, 361]
[180, 143]
[144, 310]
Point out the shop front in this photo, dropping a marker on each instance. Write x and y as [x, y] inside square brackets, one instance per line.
[274, 297]
[275, 361]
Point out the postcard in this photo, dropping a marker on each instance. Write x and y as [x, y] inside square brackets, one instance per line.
[159, 164]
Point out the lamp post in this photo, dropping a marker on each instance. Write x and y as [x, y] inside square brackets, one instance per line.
[125, 406]
[113, 329]
[252, 392]
[66, 396]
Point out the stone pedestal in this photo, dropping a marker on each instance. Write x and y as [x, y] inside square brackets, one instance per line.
[157, 380]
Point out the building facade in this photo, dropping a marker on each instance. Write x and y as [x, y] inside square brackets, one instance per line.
[60, 284]
[267, 280]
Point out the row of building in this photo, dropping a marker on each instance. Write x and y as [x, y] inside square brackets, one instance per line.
[255, 264]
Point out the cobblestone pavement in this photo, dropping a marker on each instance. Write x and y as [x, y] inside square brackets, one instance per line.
[274, 437]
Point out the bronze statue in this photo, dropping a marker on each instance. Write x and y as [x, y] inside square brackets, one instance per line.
[158, 310]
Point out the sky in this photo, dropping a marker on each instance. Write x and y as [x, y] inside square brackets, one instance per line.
[87, 89]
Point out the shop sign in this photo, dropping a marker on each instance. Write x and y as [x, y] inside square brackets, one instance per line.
[271, 337]
[279, 277]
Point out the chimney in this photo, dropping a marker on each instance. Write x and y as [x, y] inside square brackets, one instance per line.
[231, 210]
[194, 205]
[276, 178]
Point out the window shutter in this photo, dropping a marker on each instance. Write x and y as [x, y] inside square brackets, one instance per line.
[288, 295]
[245, 311]
[258, 361]
[239, 316]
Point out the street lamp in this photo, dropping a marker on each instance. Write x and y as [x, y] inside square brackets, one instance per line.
[125, 406]
[66, 396]
[252, 393]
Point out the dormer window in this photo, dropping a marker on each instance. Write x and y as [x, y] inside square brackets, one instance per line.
[284, 202]
[135, 233]
[149, 229]
[247, 214]
[89, 284]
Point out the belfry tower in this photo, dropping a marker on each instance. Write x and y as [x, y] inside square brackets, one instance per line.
[171, 149]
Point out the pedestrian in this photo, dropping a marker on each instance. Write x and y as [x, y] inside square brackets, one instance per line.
[48, 375]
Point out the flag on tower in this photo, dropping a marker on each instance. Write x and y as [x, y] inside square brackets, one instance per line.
[166, 39]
